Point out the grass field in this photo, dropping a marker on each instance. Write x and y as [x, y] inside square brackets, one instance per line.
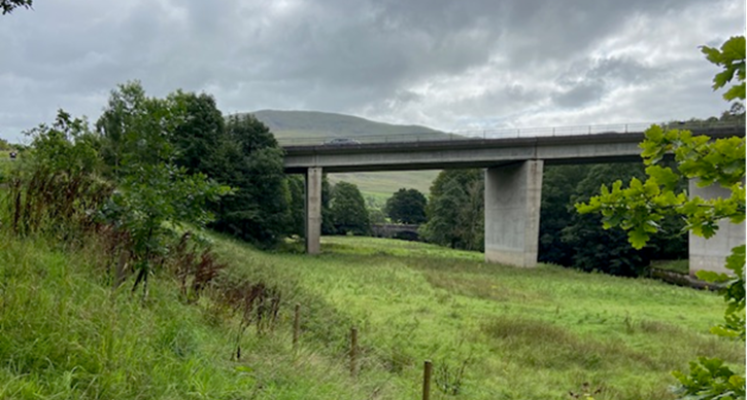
[492, 332]
[382, 185]
[518, 333]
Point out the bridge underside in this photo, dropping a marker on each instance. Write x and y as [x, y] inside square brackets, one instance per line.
[513, 185]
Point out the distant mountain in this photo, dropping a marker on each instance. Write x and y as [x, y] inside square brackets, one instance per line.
[315, 127]
[289, 125]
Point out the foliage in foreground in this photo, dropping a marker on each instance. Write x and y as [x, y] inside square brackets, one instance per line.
[640, 208]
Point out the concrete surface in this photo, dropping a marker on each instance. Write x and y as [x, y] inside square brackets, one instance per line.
[513, 196]
[710, 254]
[313, 222]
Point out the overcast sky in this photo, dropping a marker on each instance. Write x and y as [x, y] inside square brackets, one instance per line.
[452, 65]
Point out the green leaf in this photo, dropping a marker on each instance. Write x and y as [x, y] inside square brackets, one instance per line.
[710, 276]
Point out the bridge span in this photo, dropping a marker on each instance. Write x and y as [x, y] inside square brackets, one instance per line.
[513, 180]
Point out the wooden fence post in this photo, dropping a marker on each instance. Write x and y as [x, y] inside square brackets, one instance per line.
[427, 370]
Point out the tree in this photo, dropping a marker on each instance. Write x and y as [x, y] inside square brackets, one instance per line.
[640, 207]
[251, 161]
[443, 225]
[597, 249]
[297, 205]
[406, 206]
[57, 188]
[8, 5]
[558, 185]
[349, 210]
[455, 210]
[200, 133]
[153, 192]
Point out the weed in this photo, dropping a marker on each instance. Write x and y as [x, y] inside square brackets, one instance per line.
[586, 392]
[450, 375]
[254, 303]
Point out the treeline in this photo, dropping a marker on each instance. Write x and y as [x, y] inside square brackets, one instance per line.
[571, 239]
[456, 219]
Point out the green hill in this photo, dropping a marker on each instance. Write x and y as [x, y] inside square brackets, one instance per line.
[313, 127]
[290, 126]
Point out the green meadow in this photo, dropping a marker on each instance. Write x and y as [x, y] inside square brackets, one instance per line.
[492, 332]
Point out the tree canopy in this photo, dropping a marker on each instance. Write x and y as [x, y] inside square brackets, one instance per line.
[579, 241]
[348, 210]
[251, 161]
[455, 210]
[406, 206]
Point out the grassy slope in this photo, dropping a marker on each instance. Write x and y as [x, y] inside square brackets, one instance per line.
[320, 126]
[382, 185]
[526, 334]
[65, 334]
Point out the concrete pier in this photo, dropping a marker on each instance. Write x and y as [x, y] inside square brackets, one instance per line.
[710, 254]
[513, 196]
[313, 210]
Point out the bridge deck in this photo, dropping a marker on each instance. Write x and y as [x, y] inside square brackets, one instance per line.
[477, 152]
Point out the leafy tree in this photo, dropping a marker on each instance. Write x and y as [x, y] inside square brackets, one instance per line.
[349, 211]
[252, 163]
[297, 205]
[442, 227]
[376, 215]
[600, 249]
[200, 133]
[640, 207]
[579, 241]
[406, 206]
[8, 5]
[153, 191]
[456, 210]
[57, 188]
[558, 185]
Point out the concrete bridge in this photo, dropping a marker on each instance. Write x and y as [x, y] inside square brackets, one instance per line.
[513, 179]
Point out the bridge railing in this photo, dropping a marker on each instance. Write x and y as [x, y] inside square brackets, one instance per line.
[505, 133]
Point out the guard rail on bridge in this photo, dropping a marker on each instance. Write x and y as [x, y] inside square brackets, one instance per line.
[509, 133]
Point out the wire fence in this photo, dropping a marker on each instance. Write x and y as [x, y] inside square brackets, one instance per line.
[504, 133]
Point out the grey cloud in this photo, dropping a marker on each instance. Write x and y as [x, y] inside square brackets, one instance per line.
[332, 55]
[586, 81]
[580, 95]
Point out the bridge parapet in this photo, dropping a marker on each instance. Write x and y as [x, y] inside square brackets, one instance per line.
[511, 133]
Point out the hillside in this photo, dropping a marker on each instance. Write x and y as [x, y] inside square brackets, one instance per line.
[316, 127]
[290, 125]
[492, 332]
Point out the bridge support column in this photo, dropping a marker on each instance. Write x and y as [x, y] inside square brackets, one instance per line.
[710, 254]
[512, 212]
[313, 210]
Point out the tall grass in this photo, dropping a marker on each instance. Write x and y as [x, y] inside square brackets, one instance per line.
[65, 333]
[498, 332]
[217, 322]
